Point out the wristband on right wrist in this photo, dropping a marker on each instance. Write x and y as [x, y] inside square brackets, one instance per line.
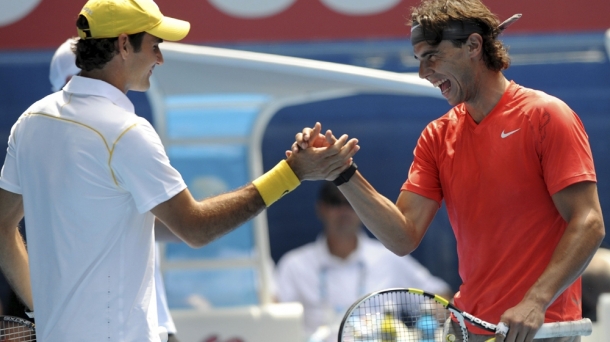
[276, 182]
[345, 176]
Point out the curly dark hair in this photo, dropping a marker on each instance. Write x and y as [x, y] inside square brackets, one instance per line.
[95, 53]
[436, 15]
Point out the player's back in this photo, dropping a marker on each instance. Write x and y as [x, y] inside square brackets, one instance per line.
[83, 226]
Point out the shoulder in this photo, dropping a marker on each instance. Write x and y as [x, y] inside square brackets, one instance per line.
[548, 115]
[136, 130]
[138, 125]
[135, 140]
[46, 105]
[449, 119]
[440, 127]
[440, 130]
[538, 103]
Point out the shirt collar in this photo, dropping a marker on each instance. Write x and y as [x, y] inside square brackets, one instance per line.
[90, 86]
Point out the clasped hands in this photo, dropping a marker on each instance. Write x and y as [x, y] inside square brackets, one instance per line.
[317, 156]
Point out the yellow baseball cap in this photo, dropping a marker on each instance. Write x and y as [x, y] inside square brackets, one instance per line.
[111, 18]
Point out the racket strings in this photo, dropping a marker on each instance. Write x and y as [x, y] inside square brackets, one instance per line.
[16, 332]
[396, 317]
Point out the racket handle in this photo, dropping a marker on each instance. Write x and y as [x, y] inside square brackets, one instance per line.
[584, 327]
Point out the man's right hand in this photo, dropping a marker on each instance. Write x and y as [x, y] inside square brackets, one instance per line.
[315, 156]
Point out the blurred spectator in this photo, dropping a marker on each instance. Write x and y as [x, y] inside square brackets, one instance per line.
[327, 276]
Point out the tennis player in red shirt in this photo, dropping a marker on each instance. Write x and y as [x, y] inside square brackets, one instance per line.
[514, 168]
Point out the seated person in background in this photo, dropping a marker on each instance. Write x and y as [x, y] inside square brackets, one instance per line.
[327, 276]
[595, 281]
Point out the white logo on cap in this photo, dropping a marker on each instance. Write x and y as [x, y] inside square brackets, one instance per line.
[13, 10]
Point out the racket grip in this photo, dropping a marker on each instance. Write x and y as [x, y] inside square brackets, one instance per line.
[583, 327]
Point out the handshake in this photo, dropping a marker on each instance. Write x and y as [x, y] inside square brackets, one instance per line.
[317, 156]
[313, 156]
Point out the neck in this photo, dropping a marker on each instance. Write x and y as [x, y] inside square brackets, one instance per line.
[341, 246]
[490, 89]
[110, 73]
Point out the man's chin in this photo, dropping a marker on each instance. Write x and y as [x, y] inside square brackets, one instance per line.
[453, 101]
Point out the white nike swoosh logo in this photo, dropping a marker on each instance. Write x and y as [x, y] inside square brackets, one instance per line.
[504, 135]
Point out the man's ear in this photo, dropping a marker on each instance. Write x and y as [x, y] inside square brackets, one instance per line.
[123, 44]
[475, 45]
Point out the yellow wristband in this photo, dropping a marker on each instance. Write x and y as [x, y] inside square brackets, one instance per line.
[276, 182]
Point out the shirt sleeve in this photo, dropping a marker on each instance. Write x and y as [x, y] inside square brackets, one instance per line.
[9, 176]
[142, 168]
[563, 146]
[423, 178]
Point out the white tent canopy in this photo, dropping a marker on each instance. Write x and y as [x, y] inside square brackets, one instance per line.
[199, 69]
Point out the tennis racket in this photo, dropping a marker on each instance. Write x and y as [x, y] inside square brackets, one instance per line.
[410, 315]
[16, 329]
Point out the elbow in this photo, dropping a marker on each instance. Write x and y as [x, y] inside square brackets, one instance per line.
[404, 249]
[189, 237]
[195, 241]
[194, 244]
[600, 230]
[593, 230]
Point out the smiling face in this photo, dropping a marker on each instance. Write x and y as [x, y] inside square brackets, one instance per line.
[141, 64]
[449, 68]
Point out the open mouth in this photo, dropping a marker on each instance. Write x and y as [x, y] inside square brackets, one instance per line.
[444, 85]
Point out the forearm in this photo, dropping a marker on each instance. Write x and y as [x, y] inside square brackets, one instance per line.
[572, 255]
[218, 215]
[199, 222]
[578, 205]
[397, 231]
[15, 265]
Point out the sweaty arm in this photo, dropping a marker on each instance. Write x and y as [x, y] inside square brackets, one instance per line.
[200, 222]
[401, 226]
[579, 205]
[13, 254]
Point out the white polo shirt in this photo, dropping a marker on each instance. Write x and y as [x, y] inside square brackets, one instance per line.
[327, 285]
[164, 316]
[90, 171]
